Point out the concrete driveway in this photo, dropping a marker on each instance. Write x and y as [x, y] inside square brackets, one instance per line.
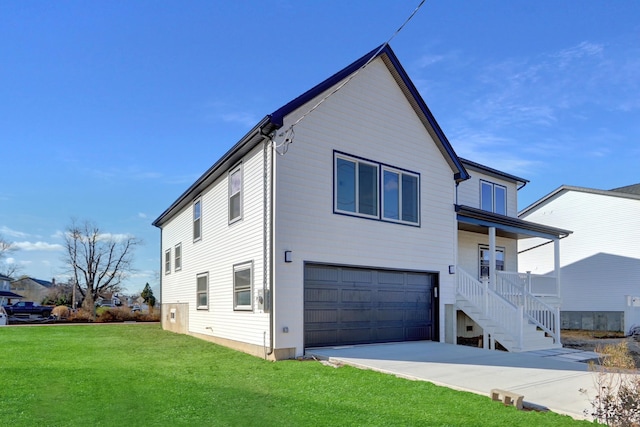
[550, 379]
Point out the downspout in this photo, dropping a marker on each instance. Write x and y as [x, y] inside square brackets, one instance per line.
[268, 233]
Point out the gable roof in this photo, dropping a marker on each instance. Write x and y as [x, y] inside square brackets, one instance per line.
[275, 121]
[494, 172]
[628, 192]
[40, 282]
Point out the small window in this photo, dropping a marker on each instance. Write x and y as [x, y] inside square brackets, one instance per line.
[484, 256]
[167, 261]
[197, 220]
[356, 186]
[493, 197]
[177, 257]
[235, 194]
[242, 286]
[202, 291]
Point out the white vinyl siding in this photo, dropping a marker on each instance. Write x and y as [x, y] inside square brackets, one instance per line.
[377, 124]
[228, 246]
[600, 260]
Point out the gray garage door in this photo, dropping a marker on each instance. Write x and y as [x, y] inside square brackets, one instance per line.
[344, 305]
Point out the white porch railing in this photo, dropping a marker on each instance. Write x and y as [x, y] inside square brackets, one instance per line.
[537, 311]
[500, 310]
[537, 284]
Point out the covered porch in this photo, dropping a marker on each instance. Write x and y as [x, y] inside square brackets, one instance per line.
[518, 309]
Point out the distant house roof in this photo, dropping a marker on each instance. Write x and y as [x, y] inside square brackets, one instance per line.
[275, 121]
[45, 283]
[4, 278]
[629, 189]
[628, 192]
[9, 294]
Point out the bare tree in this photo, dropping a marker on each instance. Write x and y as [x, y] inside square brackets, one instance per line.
[98, 262]
[6, 248]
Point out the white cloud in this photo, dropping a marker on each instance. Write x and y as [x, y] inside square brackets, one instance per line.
[243, 118]
[142, 215]
[4, 230]
[38, 246]
[10, 260]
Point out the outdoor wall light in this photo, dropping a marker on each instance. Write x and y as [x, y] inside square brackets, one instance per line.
[288, 257]
[452, 269]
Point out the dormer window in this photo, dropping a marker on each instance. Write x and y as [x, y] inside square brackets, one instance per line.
[493, 197]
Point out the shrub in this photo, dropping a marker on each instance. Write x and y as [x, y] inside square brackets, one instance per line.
[61, 312]
[81, 315]
[617, 402]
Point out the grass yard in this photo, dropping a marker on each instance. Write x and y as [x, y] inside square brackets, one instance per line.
[138, 374]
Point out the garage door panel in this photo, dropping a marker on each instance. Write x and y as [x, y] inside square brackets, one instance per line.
[367, 305]
[356, 295]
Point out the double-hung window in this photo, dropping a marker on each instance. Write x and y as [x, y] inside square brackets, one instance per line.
[177, 257]
[235, 194]
[493, 197]
[167, 261]
[242, 286]
[359, 184]
[202, 291]
[400, 196]
[197, 220]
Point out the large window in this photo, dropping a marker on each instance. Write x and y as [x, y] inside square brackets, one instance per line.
[493, 197]
[242, 286]
[202, 291]
[167, 261]
[357, 184]
[177, 257]
[197, 220]
[235, 194]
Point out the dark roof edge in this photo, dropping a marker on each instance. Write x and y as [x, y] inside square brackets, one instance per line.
[511, 221]
[564, 188]
[494, 172]
[263, 128]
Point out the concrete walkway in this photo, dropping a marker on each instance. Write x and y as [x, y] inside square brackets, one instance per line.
[549, 379]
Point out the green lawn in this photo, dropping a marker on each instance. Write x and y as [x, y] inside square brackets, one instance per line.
[138, 374]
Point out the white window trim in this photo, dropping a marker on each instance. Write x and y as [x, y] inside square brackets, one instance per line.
[400, 173]
[237, 169]
[493, 195]
[167, 261]
[177, 266]
[198, 292]
[500, 249]
[196, 201]
[239, 267]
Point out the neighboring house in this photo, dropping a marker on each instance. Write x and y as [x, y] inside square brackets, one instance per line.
[345, 231]
[600, 262]
[6, 296]
[32, 289]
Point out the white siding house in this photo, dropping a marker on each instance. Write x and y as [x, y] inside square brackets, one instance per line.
[331, 227]
[600, 262]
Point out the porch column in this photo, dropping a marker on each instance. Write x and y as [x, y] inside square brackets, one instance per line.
[492, 257]
[556, 263]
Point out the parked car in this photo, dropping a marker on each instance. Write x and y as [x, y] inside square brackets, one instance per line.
[28, 308]
[135, 308]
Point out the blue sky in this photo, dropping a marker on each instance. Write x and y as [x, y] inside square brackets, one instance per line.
[111, 109]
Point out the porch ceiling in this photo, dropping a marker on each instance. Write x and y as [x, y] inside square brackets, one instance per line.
[479, 221]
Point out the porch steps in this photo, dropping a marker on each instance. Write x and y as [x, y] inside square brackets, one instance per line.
[533, 338]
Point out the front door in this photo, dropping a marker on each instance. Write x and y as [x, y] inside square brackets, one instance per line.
[483, 256]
